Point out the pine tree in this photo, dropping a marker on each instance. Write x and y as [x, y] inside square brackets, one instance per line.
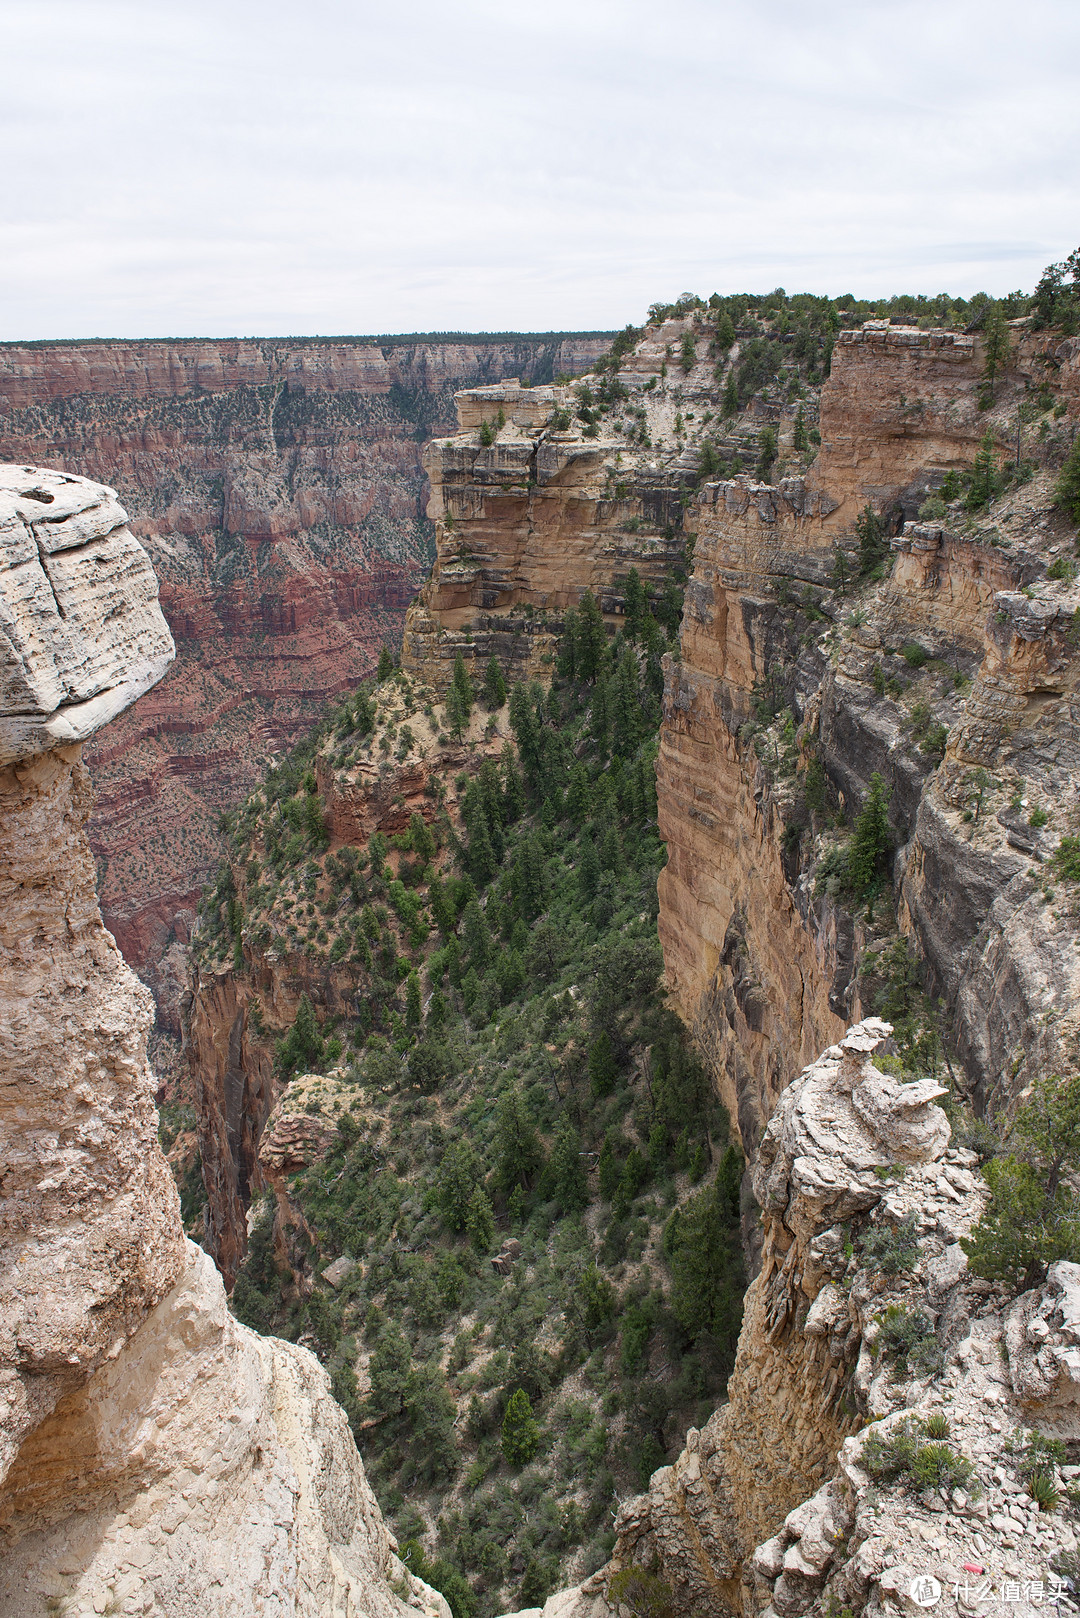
[413, 1006]
[480, 1220]
[730, 403]
[588, 871]
[870, 842]
[518, 1153]
[766, 453]
[386, 663]
[873, 540]
[725, 333]
[608, 1170]
[422, 841]
[457, 716]
[798, 431]
[592, 638]
[566, 1170]
[459, 1175]
[389, 1370]
[635, 603]
[494, 684]
[689, 351]
[463, 685]
[1067, 487]
[520, 1433]
[986, 480]
[996, 338]
[603, 1068]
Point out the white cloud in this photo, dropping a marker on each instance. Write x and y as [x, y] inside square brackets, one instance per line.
[186, 167]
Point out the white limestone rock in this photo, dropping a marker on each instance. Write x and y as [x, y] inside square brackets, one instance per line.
[81, 631]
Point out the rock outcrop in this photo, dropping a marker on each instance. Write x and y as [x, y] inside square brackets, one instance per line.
[278, 488]
[524, 525]
[777, 1506]
[155, 1456]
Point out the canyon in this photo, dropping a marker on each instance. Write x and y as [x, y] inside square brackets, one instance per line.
[278, 487]
[929, 656]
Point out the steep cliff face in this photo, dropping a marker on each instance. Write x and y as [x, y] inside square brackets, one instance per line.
[525, 525]
[790, 666]
[155, 1457]
[277, 486]
[775, 1506]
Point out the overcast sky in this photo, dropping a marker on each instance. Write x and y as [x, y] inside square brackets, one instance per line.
[235, 167]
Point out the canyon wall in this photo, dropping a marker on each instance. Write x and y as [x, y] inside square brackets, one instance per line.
[278, 487]
[155, 1457]
[764, 959]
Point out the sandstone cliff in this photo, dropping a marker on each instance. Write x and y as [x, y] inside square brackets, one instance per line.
[155, 1457]
[963, 649]
[278, 487]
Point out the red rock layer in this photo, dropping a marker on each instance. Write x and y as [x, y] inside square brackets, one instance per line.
[278, 488]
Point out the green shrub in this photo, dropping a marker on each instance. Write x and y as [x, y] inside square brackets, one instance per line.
[901, 1454]
[892, 1249]
[1066, 858]
[1033, 1216]
[908, 1342]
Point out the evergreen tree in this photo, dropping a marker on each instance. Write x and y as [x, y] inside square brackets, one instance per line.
[463, 685]
[592, 638]
[870, 843]
[518, 1153]
[566, 1170]
[513, 789]
[386, 663]
[413, 1007]
[603, 1068]
[476, 936]
[766, 453]
[608, 1170]
[577, 794]
[494, 684]
[303, 1046]
[568, 646]
[635, 603]
[996, 342]
[873, 540]
[389, 1370]
[422, 841]
[730, 404]
[459, 1176]
[1067, 487]
[798, 432]
[689, 351]
[520, 1433]
[986, 482]
[457, 715]
[480, 1220]
[588, 871]
[725, 333]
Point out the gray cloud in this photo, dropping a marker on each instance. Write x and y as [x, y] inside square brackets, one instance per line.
[181, 167]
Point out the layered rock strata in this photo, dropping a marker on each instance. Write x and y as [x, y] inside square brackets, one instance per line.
[155, 1456]
[764, 964]
[524, 526]
[278, 488]
[771, 1508]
